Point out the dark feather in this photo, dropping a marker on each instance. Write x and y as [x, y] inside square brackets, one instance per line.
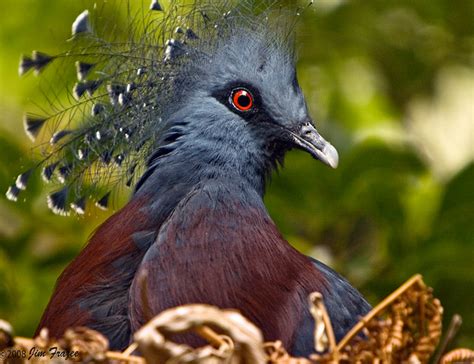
[106, 156]
[33, 125]
[131, 87]
[89, 87]
[155, 5]
[58, 136]
[103, 203]
[124, 98]
[83, 69]
[64, 172]
[26, 63]
[114, 91]
[79, 206]
[118, 159]
[57, 201]
[22, 179]
[191, 35]
[81, 24]
[97, 109]
[174, 49]
[41, 60]
[48, 171]
[82, 153]
[12, 193]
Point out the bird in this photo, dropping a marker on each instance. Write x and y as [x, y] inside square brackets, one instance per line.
[193, 106]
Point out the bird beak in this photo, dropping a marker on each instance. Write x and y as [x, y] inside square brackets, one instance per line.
[308, 139]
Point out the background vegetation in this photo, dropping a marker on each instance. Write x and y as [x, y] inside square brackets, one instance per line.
[389, 82]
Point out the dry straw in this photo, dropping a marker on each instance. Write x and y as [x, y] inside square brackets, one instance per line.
[403, 328]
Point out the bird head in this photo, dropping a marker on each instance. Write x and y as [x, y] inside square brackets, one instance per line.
[249, 89]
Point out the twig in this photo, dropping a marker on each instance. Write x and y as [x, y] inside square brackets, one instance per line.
[316, 299]
[210, 335]
[416, 279]
[23, 341]
[125, 358]
[130, 349]
[454, 325]
[458, 356]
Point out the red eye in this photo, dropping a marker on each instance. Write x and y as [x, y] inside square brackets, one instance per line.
[242, 99]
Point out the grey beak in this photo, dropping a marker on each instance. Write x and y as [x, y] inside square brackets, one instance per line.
[311, 141]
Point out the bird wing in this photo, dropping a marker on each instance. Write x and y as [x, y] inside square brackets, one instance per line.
[344, 299]
[92, 290]
[344, 304]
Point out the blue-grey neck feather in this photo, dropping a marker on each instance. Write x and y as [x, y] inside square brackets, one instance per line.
[208, 153]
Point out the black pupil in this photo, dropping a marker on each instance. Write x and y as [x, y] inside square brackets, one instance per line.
[243, 100]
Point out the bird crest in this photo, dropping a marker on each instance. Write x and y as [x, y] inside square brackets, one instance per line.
[114, 122]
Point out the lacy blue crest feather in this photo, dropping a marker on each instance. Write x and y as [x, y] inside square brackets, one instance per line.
[115, 122]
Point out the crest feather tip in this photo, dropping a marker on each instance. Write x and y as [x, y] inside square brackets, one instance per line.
[81, 24]
[12, 193]
[155, 5]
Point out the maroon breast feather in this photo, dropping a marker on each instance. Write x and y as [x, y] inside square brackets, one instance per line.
[228, 254]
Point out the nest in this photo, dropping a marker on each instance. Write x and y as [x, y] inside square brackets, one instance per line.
[403, 328]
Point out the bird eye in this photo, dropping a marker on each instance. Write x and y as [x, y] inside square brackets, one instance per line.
[241, 99]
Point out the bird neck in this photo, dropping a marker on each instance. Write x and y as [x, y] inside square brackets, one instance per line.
[190, 162]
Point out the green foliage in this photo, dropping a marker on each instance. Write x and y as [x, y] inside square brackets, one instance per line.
[388, 211]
